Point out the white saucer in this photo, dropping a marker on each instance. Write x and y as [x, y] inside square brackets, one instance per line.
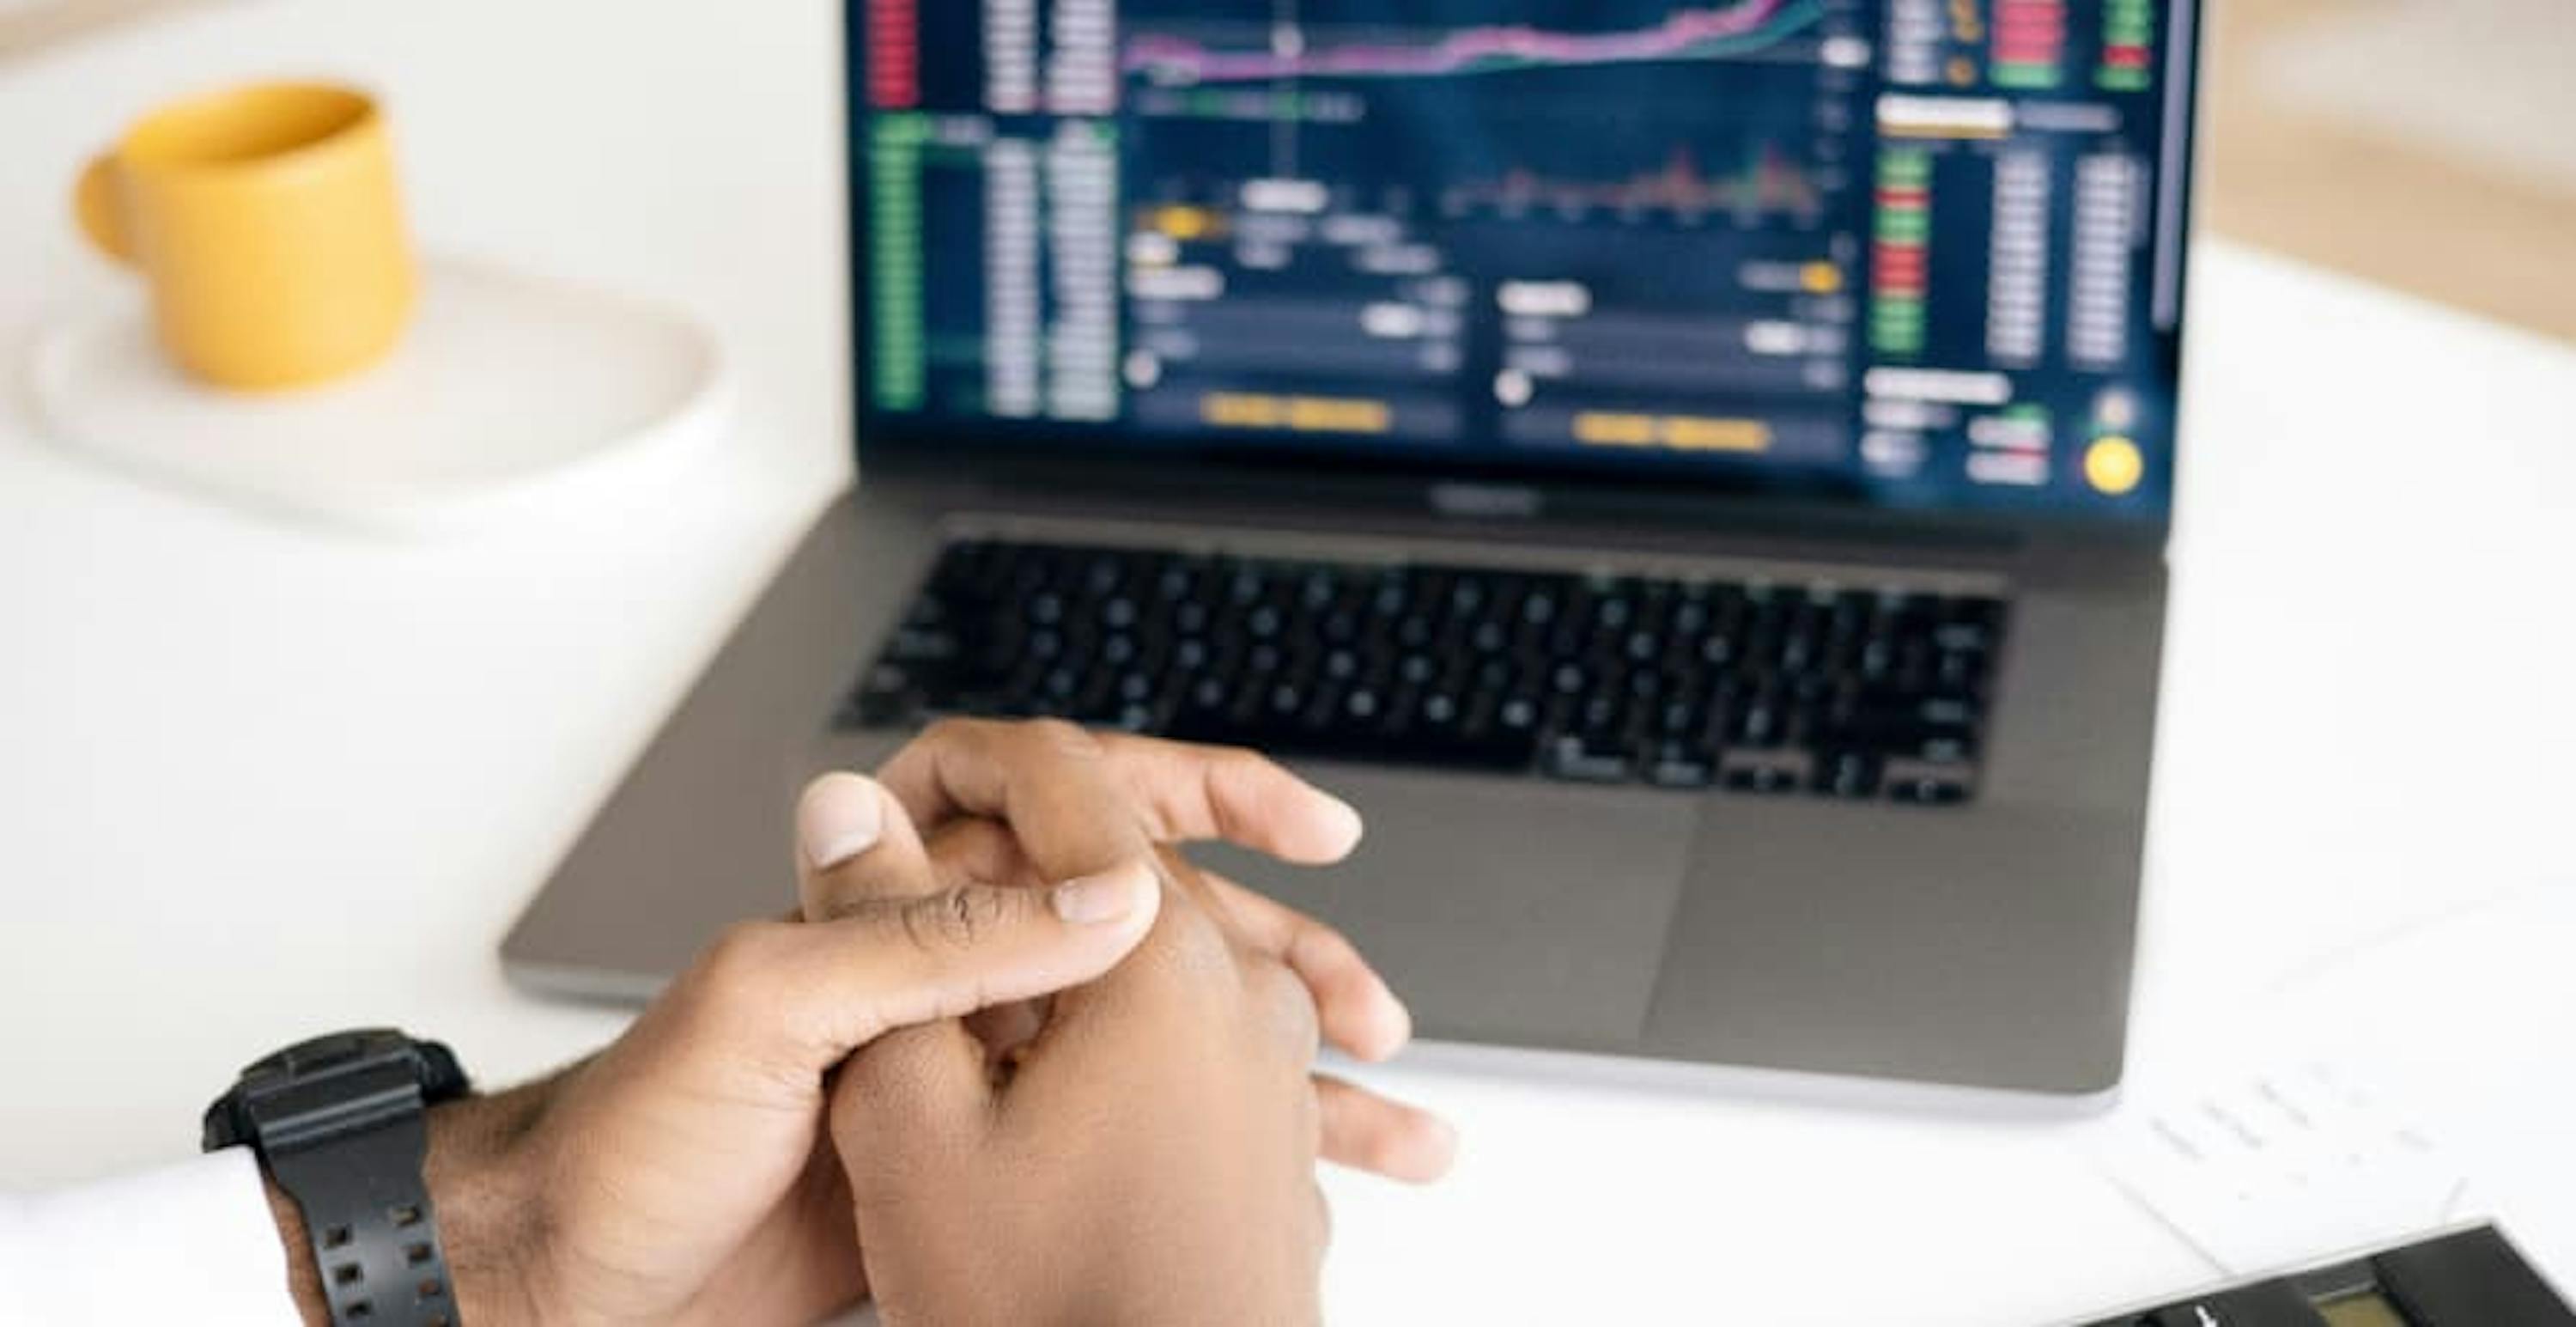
[505, 390]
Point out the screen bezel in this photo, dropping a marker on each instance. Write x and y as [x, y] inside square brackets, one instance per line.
[1053, 456]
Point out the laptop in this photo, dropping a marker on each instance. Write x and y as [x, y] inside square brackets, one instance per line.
[1695, 475]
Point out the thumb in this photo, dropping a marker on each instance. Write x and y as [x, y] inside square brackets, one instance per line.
[796, 998]
[855, 842]
[890, 963]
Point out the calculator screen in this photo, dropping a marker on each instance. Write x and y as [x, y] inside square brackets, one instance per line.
[2366, 1308]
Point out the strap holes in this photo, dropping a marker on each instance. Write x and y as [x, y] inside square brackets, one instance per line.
[405, 1215]
[335, 1237]
[348, 1274]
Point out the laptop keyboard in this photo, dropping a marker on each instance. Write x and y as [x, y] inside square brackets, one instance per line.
[1758, 688]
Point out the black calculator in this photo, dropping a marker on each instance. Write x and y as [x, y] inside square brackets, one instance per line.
[2467, 1278]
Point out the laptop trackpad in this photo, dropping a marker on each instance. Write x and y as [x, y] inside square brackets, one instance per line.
[1983, 944]
[1500, 911]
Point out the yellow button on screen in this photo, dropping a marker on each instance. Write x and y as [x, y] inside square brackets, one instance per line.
[2114, 465]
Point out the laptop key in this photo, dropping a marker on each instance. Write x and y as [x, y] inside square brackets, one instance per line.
[1928, 790]
[1853, 774]
[1761, 723]
[1589, 760]
[884, 698]
[1761, 779]
[1680, 764]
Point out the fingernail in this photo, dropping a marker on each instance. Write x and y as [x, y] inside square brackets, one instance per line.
[1445, 1138]
[839, 818]
[1352, 826]
[1097, 900]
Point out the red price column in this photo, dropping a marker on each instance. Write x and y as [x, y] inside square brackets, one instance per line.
[894, 55]
[2030, 43]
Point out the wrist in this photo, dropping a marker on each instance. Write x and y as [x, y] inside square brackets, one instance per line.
[481, 1183]
[303, 1277]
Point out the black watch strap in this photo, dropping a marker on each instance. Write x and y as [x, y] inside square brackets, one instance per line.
[340, 1123]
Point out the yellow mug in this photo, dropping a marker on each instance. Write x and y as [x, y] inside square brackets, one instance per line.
[267, 221]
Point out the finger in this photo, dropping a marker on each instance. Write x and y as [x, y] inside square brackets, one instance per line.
[1360, 1015]
[801, 997]
[855, 844]
[917, 1095]
[1283, 1002]
[1178, 791]
[1191, 793]
[1368, 1132]
[1043, 779]
[980, 852]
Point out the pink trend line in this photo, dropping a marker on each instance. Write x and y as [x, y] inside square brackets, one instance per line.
[1675, 34]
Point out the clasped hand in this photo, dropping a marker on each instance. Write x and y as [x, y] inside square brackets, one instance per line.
[1016, 1061]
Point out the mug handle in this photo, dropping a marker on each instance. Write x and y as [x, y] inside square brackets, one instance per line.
[94, 200]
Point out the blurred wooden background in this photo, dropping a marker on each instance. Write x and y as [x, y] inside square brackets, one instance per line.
[2425, 144]
[30, 25]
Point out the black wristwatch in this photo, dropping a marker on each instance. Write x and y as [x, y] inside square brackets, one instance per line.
[338, 1121]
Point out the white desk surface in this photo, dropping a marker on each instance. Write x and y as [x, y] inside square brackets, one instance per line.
[256, 781]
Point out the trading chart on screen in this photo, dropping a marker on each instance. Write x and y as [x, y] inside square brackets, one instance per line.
[1928, 249]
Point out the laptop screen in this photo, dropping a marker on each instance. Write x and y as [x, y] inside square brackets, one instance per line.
[1902, 253]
